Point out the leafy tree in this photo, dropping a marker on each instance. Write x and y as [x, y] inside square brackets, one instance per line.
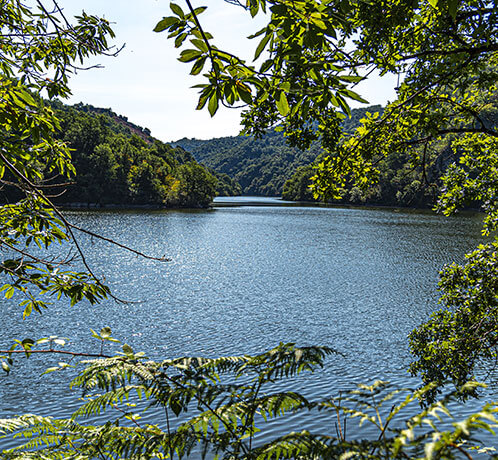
[197, 186]
[297, 188]
[40, 49]
[260, 166]
[226, 185]
[447, 53]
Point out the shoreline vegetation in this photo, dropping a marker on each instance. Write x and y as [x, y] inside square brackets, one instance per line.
[119, 165]
[268, 166]
[254, 200]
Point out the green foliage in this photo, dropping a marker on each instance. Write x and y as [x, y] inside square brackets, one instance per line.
[298, 187]
[38, 55]
[226, 185]
[217, 407]
[117, 162]
[460, 338]
[260, 164]
[197, 186]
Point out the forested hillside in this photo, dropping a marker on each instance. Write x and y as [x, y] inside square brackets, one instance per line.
[117, 162]
[401, 181]
[260, 166]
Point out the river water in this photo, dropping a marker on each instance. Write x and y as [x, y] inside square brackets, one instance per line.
[244, 276]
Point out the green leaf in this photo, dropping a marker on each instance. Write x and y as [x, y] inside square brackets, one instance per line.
[344, 106]
[200, 10]
[198, 65]
[266, 65]
[28, 309]
[51, 369]
[127, 349]
[203, 98]
[177, 10]
[213, 104]
[27, 343]
[283, 104]
[26, 97]
[245, 94]
[262, 44]
[165, 23]
[95, 335]
[200, 44]
[9, 292]
[176, 406]
[180, 39]
[353, 95]
[105, 332]
[352, 78]
[189, 55]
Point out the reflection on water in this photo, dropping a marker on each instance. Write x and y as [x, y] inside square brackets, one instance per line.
[242, 279]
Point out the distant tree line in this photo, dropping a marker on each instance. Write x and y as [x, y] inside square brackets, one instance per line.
[268, 166]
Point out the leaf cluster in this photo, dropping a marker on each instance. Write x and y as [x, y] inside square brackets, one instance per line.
[217, 406]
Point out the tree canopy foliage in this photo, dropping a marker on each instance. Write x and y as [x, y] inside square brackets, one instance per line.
[313, 53]
[40, 49]
[260, 166]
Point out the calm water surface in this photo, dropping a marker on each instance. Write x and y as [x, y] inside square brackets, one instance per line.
[242, 279]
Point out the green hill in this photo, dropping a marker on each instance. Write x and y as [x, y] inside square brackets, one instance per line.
[118, 162]
[260, 166]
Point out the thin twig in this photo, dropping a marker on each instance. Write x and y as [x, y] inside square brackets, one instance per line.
[52, 351]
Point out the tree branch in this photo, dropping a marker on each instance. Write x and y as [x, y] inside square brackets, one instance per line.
[60, 352]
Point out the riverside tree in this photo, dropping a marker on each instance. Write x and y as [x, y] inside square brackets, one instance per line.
[307, 76]
[40, 49]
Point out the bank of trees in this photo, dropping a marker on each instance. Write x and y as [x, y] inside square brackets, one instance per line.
[447, 51]
[119, 163]
[399, 182]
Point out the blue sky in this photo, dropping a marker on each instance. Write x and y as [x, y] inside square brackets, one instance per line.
[146, 83]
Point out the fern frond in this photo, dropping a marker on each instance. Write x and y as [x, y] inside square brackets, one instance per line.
[99, 403]
[295, 445]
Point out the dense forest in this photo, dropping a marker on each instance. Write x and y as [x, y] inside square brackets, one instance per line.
[120, 163]
[117, 162]
[269, 167]
[260, 166]
[399, 183]
[409, 177]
